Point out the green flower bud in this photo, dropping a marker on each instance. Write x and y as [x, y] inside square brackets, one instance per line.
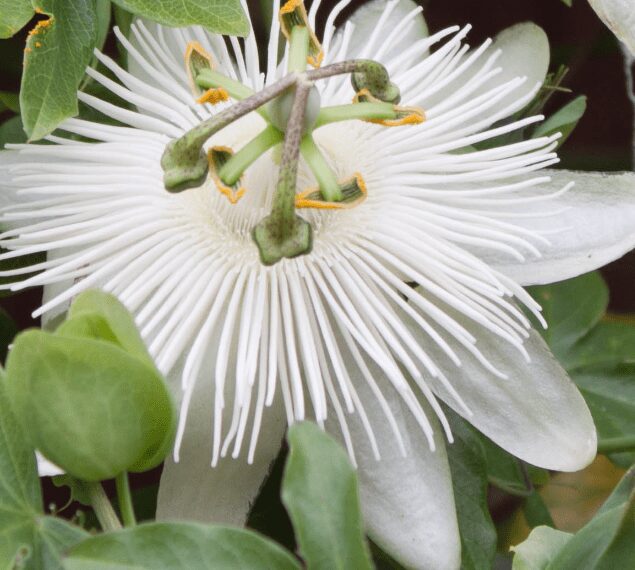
[89, 399]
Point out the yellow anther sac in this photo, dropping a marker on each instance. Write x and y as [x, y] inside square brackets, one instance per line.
[214, 96]
[197, 59]
[354, 192]
[403, 115]
[293, 13]
[217, 156]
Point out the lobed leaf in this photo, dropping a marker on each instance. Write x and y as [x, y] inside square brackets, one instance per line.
[220, 16]
[57, 53]
[14, 14]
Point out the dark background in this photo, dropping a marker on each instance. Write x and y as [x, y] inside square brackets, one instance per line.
[602, 141]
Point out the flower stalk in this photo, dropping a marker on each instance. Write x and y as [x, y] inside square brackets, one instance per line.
[101, 505]
[125, 499]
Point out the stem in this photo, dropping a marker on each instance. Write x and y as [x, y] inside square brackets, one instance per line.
[185, 163]
[617, 444]
[355, 111]
[283, 211]
[298, 49]
[199, 134]
[208, 79]
[340, 68]
[366, 73]
[329, 186]
[125, 499]
[103, 509]
[233, 169]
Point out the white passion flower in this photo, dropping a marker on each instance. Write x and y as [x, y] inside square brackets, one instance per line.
[337, 334]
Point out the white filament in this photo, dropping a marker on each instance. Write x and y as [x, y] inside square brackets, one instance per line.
[313, 330]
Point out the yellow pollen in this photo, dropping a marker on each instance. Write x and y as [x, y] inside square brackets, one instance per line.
[293, 13]
[311, 198]
[41, 26]
[405, 115]
[214, 96]
[290, 6]
[232, 194]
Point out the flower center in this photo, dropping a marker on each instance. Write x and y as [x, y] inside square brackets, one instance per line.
[292, 113]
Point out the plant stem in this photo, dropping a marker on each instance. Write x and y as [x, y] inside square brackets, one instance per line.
[616, 444]
[208, 78]
[329, 187]
[355, 111]
[103, 509]
[199, 134]
[283, 211]
[125, 499]
[298, 49]
[232, 170]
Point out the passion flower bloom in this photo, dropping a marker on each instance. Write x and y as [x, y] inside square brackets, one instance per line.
[408, 298]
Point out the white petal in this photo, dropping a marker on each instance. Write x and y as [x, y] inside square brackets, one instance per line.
[520, 51]
[524, 53]
[366, 20]
[191, 489]
[619, 16]
[536, 413]
[52, 319]
[407, 502]
[595, 222]
[45, 468]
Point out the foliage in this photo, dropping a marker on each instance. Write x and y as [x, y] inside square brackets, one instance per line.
[320, 493]
[605, 542]
[26, 534]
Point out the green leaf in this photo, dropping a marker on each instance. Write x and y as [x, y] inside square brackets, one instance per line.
[540, 549]
[58, 51]
[220, 16]
[320, 492]
[179, 546]
[25, 534]
[78, 489]
[600, 357]
[607, 540]
[563, 121]
[536, 511]
[10, 100]
[468, 466]
[571, 308]
[610, 395]
[104, 13]
[19, 484]
[608, 345]
[505, 471]
[106, 411]
[14, 14]
[11, 131]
